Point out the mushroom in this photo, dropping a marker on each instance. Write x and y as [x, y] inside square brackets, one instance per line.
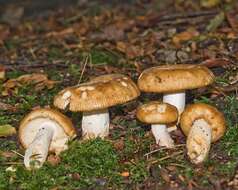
[173, 80]
[203, 124]
[44, 130]
[94, 98]
[158, 114]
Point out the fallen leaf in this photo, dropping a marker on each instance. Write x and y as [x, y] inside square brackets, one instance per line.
[232, 18]
[4, 32]
[184, 36]
[119, 145]
[209, 3]
[7, 154]
[40, 81]
[2, 69]
[125, 174]
[64, 32]
[7, 107]
[216, 62]
[7, 130]
[54, 160]
[132, 51]
[165, 175]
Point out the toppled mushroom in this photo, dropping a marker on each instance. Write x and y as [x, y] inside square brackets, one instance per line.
[173, 80]
[94, 98]
[44, 130]
[203, 124]
[158, 114]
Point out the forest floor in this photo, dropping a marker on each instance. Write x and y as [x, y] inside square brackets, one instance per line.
[70, 45]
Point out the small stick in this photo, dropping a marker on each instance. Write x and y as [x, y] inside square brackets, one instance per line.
[167, 157]
[17, 153]
[163, 148]
[84, 66]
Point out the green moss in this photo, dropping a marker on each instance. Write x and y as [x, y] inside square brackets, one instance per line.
[84, 164]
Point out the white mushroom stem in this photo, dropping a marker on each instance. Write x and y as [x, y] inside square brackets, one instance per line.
[161, 135]
[95, 124]
[199, 141]
[37, 151]
[176, 99]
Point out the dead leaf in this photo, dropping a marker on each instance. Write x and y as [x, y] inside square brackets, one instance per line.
[232, 18]
[184, 36]
[7, 107]
[7, 130]
[119, 145]
[54, 160]
[61, 33]
[2, 69]
[40, 81]
[125, 174]
[4, 33]
[209, 3]
[132, 51]
[165, 175]
[7, 154]
[216, 62]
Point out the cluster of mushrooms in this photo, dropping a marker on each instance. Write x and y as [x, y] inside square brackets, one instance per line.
[48, 130]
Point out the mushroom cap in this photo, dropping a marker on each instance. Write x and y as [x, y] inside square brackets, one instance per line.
[210, 114]
[156, 112]
[30, 125]
[99, 93]
[174, 78]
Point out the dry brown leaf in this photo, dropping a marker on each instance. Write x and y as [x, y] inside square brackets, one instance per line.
[119, 145]
[184, 36]
[7, 107]
[2, 71]
[232, 18]
[130, 50]
[7, 154]
[216, 62]
[53, 160]
[125, 174]
[40, 81]
[60, 33]
[4, 32]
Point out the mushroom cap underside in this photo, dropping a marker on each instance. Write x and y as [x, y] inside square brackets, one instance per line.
[30, 125]
[209, 114]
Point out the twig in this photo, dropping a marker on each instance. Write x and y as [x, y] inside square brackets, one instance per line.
[163, 148]
[17, 153]
[173, 17]
[32, 66]
[87, 57]
[167, 157]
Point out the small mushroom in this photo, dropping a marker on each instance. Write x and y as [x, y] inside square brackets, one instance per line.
[158, 114]
[173, 80]
[94, 98]
[203, 124]
[44, 130]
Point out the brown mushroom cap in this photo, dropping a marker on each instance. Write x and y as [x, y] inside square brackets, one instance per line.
[157, 113]
[64, 123]
[173, 78]
[100, 93]
[210, 114]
